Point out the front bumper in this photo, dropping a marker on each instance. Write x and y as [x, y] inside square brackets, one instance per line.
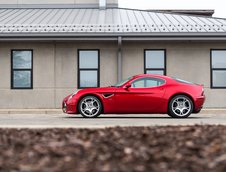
[69, 107]
[64, 107]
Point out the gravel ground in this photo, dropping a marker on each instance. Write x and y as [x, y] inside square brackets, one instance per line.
[179, 148]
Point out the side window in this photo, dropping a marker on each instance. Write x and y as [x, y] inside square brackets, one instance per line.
[154, 62]
[147, 82]
[218, 68]
[21, 69]
[88, 68]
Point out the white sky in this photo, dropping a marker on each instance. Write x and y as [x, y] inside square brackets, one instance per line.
[218, 5]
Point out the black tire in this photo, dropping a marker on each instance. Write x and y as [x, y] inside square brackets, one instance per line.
[87, 113]
[180, 106]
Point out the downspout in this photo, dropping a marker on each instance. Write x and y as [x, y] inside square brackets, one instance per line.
[55, 101]
[119, 59]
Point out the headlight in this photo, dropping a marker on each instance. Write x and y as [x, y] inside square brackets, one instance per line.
[72, 95]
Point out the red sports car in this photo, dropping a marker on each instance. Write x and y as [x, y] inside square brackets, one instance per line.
[144, 93]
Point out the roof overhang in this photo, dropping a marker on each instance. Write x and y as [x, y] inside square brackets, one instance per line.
[112, 36]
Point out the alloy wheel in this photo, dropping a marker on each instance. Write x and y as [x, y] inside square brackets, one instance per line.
[180, 106]
[90, 106]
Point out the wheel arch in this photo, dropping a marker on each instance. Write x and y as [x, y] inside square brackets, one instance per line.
[185, 94]
[91, 94]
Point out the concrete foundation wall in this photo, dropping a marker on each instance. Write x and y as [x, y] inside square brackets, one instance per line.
[186, 60]
[55, 69]
[54, 72]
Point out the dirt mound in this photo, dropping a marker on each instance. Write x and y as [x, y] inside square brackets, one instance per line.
[184, 148]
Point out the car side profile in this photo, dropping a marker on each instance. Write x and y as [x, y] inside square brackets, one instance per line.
[140, 94]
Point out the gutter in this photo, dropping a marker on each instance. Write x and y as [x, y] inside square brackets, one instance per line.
[112, 36]
[109, 34]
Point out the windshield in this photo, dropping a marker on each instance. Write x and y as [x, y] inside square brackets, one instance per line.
[122, 82]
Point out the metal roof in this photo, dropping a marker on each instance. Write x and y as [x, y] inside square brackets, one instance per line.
[108, 22]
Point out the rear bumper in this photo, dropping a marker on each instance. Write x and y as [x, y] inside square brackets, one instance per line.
[199, 102]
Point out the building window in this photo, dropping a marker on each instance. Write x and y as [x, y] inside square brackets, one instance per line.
[218, 68]
[155, 62]
[21, 69]
[88, 68]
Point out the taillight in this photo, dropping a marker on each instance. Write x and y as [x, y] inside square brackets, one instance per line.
[202, 91]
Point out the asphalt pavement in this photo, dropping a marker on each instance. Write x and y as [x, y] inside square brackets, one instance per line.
[110, 120]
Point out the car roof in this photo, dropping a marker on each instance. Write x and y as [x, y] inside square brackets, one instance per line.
[152, 75]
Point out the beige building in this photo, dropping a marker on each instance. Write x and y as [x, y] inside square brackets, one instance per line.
[48, 49]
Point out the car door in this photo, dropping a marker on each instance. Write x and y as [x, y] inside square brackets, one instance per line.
[144, 96]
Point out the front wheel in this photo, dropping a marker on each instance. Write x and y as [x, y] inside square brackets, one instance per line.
[90, 107]
[180, 106]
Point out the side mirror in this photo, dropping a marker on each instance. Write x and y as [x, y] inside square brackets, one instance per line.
[127, 86]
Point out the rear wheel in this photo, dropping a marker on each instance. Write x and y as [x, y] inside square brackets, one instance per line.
[90, 107]
[180, 106]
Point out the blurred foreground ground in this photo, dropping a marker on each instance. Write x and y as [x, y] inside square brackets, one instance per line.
[198, 148]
